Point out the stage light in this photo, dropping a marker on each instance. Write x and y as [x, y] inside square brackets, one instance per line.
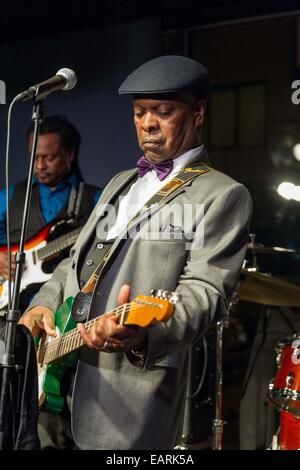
[289, 191]
[296, 151]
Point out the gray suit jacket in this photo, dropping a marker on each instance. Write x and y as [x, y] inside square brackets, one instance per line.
[116, 404]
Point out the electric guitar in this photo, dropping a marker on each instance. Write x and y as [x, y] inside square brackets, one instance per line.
[55, 355]
[39, 256]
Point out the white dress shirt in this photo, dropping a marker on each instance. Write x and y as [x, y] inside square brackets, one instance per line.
[143, 189]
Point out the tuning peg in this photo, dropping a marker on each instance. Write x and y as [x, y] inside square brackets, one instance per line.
[172, 297]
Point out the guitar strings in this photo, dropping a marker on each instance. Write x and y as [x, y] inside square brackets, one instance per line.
[56, 348]
[63, 341]
[56, 245]
[72, 339]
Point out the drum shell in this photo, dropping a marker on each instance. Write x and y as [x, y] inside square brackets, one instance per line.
[284, 390]
[289, 435]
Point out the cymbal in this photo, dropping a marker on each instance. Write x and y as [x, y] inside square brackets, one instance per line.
[260, 248]
[268, 290]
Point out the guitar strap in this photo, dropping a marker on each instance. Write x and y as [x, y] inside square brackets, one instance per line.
[78, 199]
[75, 201]
[187, 174]
[72, 202]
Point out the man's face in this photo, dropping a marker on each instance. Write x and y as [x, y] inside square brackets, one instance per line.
[52, 162]
[167, 126]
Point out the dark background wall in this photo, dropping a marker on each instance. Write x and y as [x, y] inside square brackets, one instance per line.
[252, 123]
[246, 54]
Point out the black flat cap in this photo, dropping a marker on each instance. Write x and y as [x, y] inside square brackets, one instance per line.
[168, 74]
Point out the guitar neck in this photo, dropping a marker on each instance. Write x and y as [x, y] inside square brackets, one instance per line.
[143, 311]
[72, 340]
[56, 246]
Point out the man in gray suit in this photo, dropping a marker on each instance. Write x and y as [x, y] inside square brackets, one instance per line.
[130, 383]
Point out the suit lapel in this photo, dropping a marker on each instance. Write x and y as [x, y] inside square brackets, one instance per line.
[145, 213]
[202, 157]
[98, 213]
[118, 188]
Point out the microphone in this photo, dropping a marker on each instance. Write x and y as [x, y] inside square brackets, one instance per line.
[65, 79]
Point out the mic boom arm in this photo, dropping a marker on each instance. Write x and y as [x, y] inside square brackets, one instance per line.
[65, 79]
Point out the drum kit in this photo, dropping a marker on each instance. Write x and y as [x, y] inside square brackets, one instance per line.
[263, 288]
[284, 389]
[284, 394]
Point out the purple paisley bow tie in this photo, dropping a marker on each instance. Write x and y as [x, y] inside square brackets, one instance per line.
[162, 169]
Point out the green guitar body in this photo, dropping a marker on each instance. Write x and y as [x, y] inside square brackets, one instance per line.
[143, 311]
[54, 372]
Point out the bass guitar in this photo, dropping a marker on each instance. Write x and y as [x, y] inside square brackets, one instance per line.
[39, 251]
[56, 355]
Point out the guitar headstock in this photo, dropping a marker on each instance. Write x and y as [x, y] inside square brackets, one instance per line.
[171, 296]
[147, 310]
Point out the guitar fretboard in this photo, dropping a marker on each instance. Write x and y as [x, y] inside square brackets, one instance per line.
[72, 340]
[56, 246]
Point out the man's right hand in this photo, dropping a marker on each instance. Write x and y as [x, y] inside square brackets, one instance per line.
[4, 265]
[37, 319]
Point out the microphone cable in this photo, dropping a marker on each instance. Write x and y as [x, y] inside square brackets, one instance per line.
[204, 368]
[8, 133]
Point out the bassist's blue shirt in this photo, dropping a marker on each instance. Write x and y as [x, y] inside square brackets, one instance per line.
[51, 201]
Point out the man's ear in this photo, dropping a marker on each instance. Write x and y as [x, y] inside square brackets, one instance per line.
[199, 110]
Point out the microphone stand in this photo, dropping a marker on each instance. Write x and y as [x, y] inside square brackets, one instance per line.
[218, 422]
[10, 392]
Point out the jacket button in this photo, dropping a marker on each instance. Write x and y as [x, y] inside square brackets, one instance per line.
[100, 246]
[89, 262]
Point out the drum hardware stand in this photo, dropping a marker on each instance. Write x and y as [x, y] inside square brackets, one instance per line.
[218, 422]
[187, 422]
[254, 255]
[274, 444]
[187, 432]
